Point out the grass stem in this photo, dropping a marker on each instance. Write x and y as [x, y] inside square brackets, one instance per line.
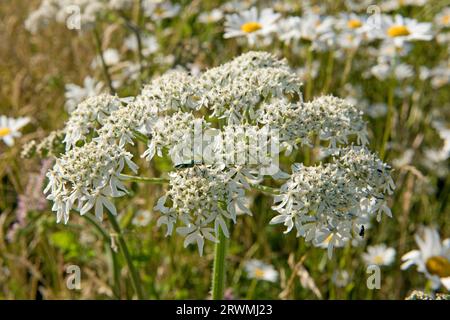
[98, 45]
[135, 279]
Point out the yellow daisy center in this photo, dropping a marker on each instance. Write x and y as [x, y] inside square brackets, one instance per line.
[259, 273]
[250, 27]
[446, 19]
[328, 239]
[378, 260]
[354, 24]
[398, 31]
[4, 132]
[439, 266]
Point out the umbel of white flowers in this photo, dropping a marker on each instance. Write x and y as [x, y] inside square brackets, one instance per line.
[254, 91]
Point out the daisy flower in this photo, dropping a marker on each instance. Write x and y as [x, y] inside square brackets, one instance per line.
[149, 44]
[159, 10]
[341, 278]
[443, 153]
[354, 29]
[318, 30]
[399, 30]
[9, 128]
[386, 68]
[379, 255]
[432, 258]
[440, 75]
[211, 17]
[142, 218]
[356, 24]
[310, 27]
[111, 57]
[259, 270]
[237, 5]
[442, 19]
[392, 5]
[250, 24]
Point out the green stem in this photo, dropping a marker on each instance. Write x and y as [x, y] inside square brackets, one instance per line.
[329, 72]
[127, 177]
[348, 65]
[251, 289]
[140, 136]
[134, 28]
[309, 65]
[124, 248]
[98, 45]
[389, 115]
[115, 264]
[218, 280]
[265, 189]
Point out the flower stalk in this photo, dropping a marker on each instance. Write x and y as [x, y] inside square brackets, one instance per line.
[127, 177]
[219, 267]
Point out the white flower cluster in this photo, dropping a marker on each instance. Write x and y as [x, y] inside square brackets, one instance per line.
[329, 200]
[172, 132]
[86, 176]
[87, 116]
[61, 11]
[328, 117]
[203, 198]
[231, 91]
[50, 146]
[234, 90]
[253, 96]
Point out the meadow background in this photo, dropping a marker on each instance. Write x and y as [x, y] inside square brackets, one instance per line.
[35, 251]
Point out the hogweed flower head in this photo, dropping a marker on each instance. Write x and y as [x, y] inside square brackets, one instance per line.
[202, 198]
[328, 200]
[224, 130]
